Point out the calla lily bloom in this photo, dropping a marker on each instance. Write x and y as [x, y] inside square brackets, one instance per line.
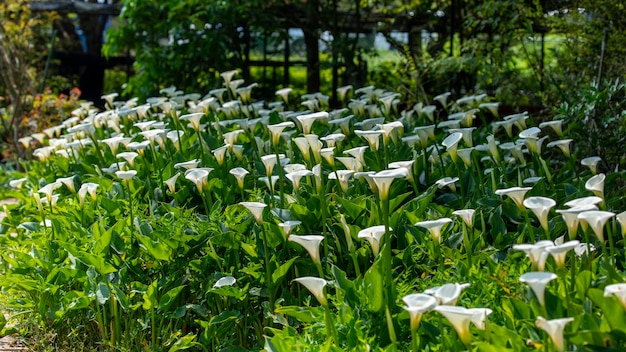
[618, 290]
[536, 253]
[596, 220]
[194, 120]
[556, 125]
[592, 163]
[315, 285]
[129, 157]
[68, 182]
[538, 281]
[447, 294]
[559, 251]
[343, 176]
[225, 281]
[467, 215]
[447, 181]
[188, 165]
[540, 206]
[171, 182]
[451, 143]
[372, 138]
[198, 177]
[239, 173]
[296, 175]
[87, 187]
[311, 243]
[18, 183]
[460, 318]
[373, 234]
[563, 144]
[554, 328]
[417, 304]
[358, 153]
[277, 129]
[307, 120]
[583, 202]
[621, 218]
[256, 208]
[434, 227]
[596, 185]
[383, 180]
[126, 175]
[517, 194]
[479, 317]
[288, 226]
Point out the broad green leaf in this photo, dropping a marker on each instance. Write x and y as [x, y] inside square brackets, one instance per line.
[282, 270]
[168, 298]
[158, 250]
[102, 293]
[373, 287]
[303, 314]
[150, 297]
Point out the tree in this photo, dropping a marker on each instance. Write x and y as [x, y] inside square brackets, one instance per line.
[20, 52]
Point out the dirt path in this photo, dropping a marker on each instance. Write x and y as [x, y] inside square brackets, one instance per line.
[10, 343]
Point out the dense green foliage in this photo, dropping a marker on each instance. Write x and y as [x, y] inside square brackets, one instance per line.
[131, 231]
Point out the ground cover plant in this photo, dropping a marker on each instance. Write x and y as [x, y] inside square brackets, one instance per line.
[218, 222]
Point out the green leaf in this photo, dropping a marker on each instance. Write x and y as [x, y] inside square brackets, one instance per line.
[150, 297]
[583, 282]
[373, 287]
[612, 309]
[303, 314]
[158, 250]
[102, 293]
[352, 297]
[282, 270]
[121, 298]
[184, 343]
[168, 298]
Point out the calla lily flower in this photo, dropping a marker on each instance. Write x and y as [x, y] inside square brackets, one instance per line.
[358, 153]
[239, 173]
[383, 180]
[621, 218]
[270, 181]
[129, 157]
[225, 281]
[171, 182]
[596, 185]
[373, 234]
[417, 304]
[536, 253]
[311, 243]
[284, 94]
[306, 120]
[618, 290]
[256, 208]
[434, 227]
[559, 251]
[479, 317]
[67, 182]
[592, 163]
[18, 183]
[296, 175]
[554, 328]
[540, 206]
[467, 215]
[583, 202]
[343, 176]
[288, 226]
[198, 177]
[87, 187]
[372, 138]
[556, 125]
[303, 145]
[447, 181]
[188, 165]
[563, 144]
[194, 120]
[517, 194]
[126, 175]
[277, 129]
[596, 220]
[460, 319]
[315, 285]
[443, 99]
[538, 281]
[447, 294]
[451, 143]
